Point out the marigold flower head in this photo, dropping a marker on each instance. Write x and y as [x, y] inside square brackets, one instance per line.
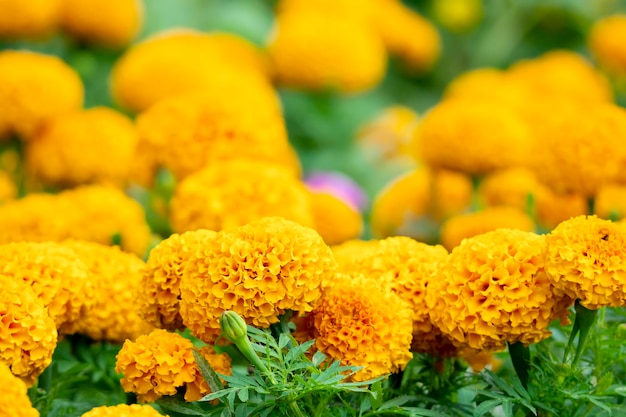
[14, 399]
[335, 220]
[259, 270]
[489, 84]
[95, 145]
[34, 89]
[605, 45]
[57, 276]
[28, 19]
[158, 363]
[353, 323]
[179, 61]
[585, 261]
[123, 410]
[348, 55]
[111, 23]
[28, 336]
[472, 136]
[451, 193]
[242, 53]
[116, 277]
[212, 197]
[457, 228]
[159, 291]
[193, 130]
[8, 188]
[493, 290]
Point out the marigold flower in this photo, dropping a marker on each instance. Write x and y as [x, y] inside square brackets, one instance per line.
[585, 261]
[8, 188]
[34, 89]
[499, 137]
[123, 410]
[57, 276]
[159, 291]
[242, 52]
[95, 145]
[259, 270]
[348, 55]
[335, 220]
[610, 202]
[193, 130]
[28, 19]
[489, 84]
[339, 185]
[112, 23]
[178, 61]
[159, 363]
[14, 399]
[605, 45]
[345, 251]
[28, 335]
[493, 289]
[451, 193]
[116, 277]
[457, 228]
[353, 323]
[212, 197]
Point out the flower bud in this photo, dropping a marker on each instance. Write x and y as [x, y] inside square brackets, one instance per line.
[234, 327]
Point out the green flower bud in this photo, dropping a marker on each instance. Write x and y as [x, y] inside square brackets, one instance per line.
[234, 327]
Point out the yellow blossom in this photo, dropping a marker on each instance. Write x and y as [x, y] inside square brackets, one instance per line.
[335, 220]
[123, 410]
[606, 45]
[489, 84]
[14, 399]
[451, 193]
[345, 251]
[28, 19]
[259, 270]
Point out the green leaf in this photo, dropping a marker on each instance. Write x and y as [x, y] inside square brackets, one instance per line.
[174, 404]
[395, 402]
[243, 395]
[485, 407]
[377, 395]
[208, 373]
[298, 351]
[318, 358]
[283, 341]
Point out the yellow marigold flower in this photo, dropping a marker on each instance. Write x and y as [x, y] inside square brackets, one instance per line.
[335, 220]
[610, 202]
[348, 55]
[8, 188]
[123, 410]
[493, 289]
[112, 23]
[393, 21]
[259, 270]
[57, 275]
[212, 197]
[28, 19]
[457, 228]
[191, 131]
[28, 335]
[458, 15]
[35, 88]
[562, 73]
[605, 43]
[345, 251]
[95, 145]
[562, 207]
[14, 399]
[178, 61]
[116, 277]
[451, 193]
[489, 84]
[459, 135]
[353, 323]
[158, 363]
[585, 261]
[159, 291]
[242, 52]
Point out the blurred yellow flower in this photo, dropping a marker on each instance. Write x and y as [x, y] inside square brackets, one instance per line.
[123, 410]
[14, 399]
[334, 219]
[29, 19]
[8, 188]
[489, 84]
[605, 41]
[458, 15]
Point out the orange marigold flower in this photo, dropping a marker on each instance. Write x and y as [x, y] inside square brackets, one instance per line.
[116, 277]
[585, 260]
[159, 291]
[28, 335]
[610, 202]
[35, 88]
[259, 270]
[112, 23]
[605, 43]
[212, 197]
[123, 410]
[57, 275]
[28, 19]
[353, 323]
[457, 228]
[335, 220]
[95, 145]
[158, 363]
[8, 188]
[348, 55]
[14, 399]
[493, 289]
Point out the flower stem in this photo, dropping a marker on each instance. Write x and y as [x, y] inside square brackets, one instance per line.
[520, 356]
[586, 318]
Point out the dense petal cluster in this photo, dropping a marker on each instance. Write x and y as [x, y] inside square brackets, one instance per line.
[606, 45]
[57, 276]
[585, 260]
[34, 89]
[345, 251]
[159, 292]
[123, 410]
[259, 270]
[158, 363]
[95, 145]
[335, 220]
[28, 19]
[353, 323]
[14, 399]
[28, 335]
[116, 277]
[234, 193]
[493, 290]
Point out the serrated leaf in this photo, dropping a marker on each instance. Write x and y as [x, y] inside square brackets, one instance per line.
[507, 408]
[231, 398]
[297, 351]
[267, 411]
[218, 394]
[236, 380]
[241, 410]
[283, 341]
[601, 405]
[485, 407]
[207, 371]
[318, 358]
[365, 406]
[333, 369]
[395, 402]
[243, 395]
[173, 404]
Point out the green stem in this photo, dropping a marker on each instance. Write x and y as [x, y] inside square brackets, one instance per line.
[293, 406]
[321, 407]
[586, 318]
[520, 356]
